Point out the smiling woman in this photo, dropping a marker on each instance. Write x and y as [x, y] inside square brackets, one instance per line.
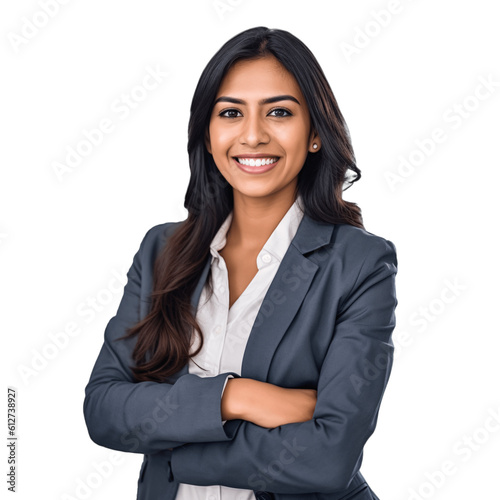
[240, 359]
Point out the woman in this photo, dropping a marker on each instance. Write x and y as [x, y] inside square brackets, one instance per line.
[252, 346]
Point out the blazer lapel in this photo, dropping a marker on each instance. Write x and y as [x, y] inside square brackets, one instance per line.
[283, 297]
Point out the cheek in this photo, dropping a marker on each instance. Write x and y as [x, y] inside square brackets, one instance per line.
[221, 140]
[293, 138]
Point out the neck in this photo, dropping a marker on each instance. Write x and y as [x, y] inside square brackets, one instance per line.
[254, 219]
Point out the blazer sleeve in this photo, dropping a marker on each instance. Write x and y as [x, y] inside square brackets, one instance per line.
[145, 417]
[323, 454]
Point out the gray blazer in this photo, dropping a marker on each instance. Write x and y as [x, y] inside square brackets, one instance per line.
[325, 323]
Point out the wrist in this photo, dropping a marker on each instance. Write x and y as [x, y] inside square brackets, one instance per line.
[233, 400]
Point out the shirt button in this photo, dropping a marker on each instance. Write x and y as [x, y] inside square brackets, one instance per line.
[222, 289]
[266, 258]
[218, 329]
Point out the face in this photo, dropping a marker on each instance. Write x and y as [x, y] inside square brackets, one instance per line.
[260, 132]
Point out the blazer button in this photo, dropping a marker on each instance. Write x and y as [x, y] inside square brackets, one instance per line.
[264, 495]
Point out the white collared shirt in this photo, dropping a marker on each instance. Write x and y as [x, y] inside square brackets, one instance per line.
[226, 331]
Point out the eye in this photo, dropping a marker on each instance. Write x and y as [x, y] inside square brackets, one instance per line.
[281, 110]
[232, 110]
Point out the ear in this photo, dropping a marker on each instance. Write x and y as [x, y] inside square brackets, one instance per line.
[314, 139]
[207, 141]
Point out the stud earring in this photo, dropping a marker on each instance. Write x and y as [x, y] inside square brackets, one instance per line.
[315, 146]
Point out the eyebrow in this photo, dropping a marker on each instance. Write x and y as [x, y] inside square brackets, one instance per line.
[268, 100]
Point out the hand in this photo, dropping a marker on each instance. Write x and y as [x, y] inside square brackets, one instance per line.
[279, 406]
[265, 404]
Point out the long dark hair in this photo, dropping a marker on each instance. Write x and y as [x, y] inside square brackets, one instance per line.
[164, 335]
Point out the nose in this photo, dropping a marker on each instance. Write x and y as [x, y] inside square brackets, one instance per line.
[253, 130]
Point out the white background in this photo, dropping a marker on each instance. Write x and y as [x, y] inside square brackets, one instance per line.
[65, 239]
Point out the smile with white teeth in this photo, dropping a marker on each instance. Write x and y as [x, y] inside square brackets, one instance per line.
[256, 162]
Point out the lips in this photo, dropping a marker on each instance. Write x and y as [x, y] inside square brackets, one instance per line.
[257, 167]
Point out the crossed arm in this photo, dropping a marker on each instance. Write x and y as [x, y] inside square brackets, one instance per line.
[324, 453]
[147, 417]
[277, 439]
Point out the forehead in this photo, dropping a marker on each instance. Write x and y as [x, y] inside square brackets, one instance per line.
[258, 77]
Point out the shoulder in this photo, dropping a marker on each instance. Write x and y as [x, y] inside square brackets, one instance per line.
[360, 239]
[361, 248]
[160, 232]
[155, 238]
